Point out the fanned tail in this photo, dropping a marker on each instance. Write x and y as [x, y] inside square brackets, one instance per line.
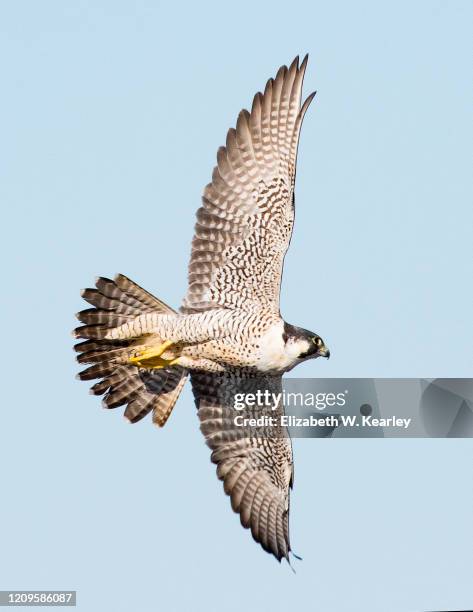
[142, 390]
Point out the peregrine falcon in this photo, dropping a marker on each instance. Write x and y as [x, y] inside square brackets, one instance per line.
[228, 335]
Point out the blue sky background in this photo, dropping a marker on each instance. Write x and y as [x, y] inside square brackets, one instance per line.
[111, 115]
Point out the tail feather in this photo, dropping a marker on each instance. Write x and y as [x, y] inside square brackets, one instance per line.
[100, 387]
[97, 299]
[108, 288]
[99, 370]
[93, 316]
[120, 393]
[168, 398]
[141, 390]
[132, 289]
[97, 332]
[104, 354]
[137, 409]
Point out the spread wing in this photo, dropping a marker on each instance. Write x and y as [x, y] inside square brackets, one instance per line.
[245, 222]
[255, 464]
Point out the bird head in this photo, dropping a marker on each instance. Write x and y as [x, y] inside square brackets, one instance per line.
[301, 344]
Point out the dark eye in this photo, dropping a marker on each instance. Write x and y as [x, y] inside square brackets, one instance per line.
[317, 341]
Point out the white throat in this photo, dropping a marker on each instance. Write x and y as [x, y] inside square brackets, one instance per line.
[277, 355]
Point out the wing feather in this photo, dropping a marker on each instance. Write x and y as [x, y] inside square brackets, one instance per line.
[246, 218]
[255, 467]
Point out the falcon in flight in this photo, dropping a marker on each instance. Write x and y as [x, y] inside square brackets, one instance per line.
[228, 335]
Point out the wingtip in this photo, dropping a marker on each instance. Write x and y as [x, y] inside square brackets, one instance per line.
[307, 103]
[294, 65]
[242, 116]
[281, 72]
[119, 277]
[269, 86]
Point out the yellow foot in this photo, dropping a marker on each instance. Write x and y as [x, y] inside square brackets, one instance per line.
[151, 357]
[155, 363]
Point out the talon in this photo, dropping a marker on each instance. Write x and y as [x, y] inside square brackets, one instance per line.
[150, 353]
[151, 357]
[155, 363]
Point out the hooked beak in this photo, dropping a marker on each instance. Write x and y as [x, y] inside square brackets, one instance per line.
[323, 352]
